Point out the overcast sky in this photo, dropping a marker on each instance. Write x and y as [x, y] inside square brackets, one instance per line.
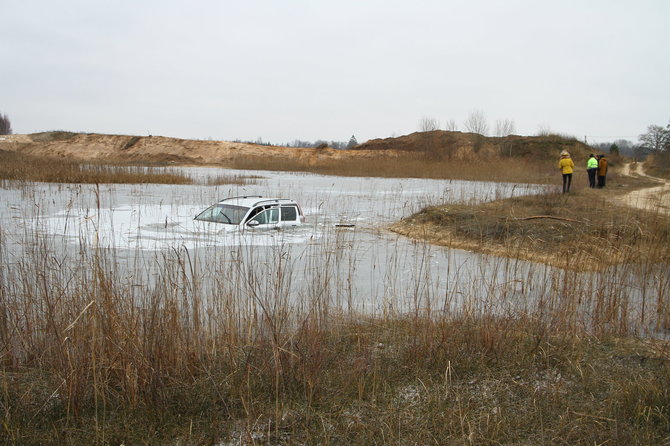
[299, 69]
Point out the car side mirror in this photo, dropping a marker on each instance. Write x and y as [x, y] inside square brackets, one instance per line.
[253, 223]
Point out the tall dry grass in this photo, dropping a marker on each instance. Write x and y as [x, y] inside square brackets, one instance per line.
[412, 165]
[176, 348]
[22, 167]
[27, 168]
[525, 167]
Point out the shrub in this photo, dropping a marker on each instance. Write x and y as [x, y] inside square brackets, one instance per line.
[131, 142]
[58, 135]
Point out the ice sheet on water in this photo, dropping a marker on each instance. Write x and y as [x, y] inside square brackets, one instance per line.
[152, 227]
[150, 217]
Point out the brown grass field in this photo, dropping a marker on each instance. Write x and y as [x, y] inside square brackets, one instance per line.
[30, 168]
[585, 230]
[90, 357]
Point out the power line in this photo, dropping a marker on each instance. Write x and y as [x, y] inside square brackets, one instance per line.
[612, 136]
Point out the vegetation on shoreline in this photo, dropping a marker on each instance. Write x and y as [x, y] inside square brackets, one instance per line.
[581, 231]
[409, 165]
[438, 155]
[19, 166]
[22, 167]
[370, 381]
[434, 154]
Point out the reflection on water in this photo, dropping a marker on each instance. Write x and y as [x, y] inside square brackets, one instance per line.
[342, 255]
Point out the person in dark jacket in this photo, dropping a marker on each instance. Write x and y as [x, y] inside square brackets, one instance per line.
[602, 171]
[592, 169]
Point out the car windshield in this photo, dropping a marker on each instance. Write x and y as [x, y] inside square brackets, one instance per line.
[223, 213]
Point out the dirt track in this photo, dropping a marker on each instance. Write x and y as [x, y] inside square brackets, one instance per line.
[655, 198]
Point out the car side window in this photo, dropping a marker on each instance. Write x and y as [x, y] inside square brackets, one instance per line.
[206, 215]
[267, 217]
[273, 215]
[289, 213]
[254, 213]
[214, 214]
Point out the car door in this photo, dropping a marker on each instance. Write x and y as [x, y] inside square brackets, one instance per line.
[267, 219]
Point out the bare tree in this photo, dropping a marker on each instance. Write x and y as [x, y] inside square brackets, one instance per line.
[505, 127]
[656, 139]
[476, 123]
[428, 124]
[451, 125]
[543, 130]
[5, 125]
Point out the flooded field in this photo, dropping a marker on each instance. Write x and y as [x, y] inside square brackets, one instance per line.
[343, 257]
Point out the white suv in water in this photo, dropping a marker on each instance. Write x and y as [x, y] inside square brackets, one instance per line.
[254, 212]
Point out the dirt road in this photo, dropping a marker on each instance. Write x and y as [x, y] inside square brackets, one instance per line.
[655, 198]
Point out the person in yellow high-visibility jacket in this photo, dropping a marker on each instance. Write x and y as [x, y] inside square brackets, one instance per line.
[592, 169]
[567, 166]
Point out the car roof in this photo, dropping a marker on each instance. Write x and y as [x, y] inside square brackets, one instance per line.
[255, 200]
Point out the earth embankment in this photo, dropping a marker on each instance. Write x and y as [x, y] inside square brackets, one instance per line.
[587, 229]
[160, 149]
[460, 145]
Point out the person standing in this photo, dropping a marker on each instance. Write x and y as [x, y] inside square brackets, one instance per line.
[591, 170]
[567, 166]
[602, 171]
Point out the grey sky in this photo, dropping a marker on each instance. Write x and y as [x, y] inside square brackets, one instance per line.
[298, 69]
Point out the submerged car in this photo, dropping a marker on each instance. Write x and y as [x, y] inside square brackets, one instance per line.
[254, 212]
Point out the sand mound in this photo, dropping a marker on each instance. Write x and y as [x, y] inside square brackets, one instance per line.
[159, 149]
[459, 145]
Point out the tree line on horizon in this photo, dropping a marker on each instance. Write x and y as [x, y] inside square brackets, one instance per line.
[476, 122]
[5, 125]
[298, 143]
[655, 140]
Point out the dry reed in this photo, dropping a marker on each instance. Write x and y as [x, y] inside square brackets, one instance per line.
[177, 348]
[411, 165]
[22, 167]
